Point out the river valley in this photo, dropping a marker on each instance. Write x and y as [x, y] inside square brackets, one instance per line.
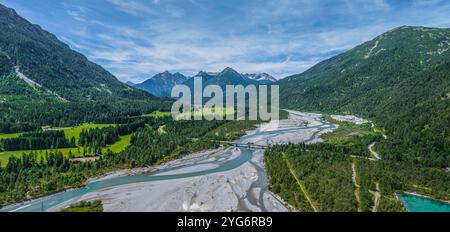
[224, 179]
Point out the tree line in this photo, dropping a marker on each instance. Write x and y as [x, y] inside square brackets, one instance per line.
[100, 137]
[37, 140]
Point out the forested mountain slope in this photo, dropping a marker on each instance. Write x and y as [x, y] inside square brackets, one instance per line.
[401, 80]
[63, 86]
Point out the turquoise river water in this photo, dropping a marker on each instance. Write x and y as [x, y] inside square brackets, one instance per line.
[414, 203]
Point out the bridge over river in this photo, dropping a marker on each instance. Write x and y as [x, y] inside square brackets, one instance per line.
[247, 145]
[238, 144]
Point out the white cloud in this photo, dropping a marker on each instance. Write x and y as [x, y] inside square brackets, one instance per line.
[78, 14]
[176, 11]
[190, 50]
[133, 7]
[186, 51]
[291, 40]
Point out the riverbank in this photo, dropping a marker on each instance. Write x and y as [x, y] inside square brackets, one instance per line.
[414, 202]
[147, 170]
[244, 188]
[223, 179]
[232, 190]
[187, 159]
[424, 196]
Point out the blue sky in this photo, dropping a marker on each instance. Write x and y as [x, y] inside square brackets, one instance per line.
[137, 38]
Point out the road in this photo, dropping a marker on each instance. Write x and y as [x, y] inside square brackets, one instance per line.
[301, 185]
[357, 187]
[374, 153]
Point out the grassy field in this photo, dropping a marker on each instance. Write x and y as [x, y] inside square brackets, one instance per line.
[10, 136]
[70, 132]
[346, 132]
[205, 112]
[117, 147]
[232, 130]
[158, 114]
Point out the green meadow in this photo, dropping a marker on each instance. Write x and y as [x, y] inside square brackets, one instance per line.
[117, 147]
[10, 136]
[207, 112]
[158, 114]
[69, 132]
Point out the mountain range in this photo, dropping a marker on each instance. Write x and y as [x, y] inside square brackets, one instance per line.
[161, 84]
[262, 78]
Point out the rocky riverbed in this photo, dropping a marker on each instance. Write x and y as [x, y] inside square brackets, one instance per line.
[224, 179]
